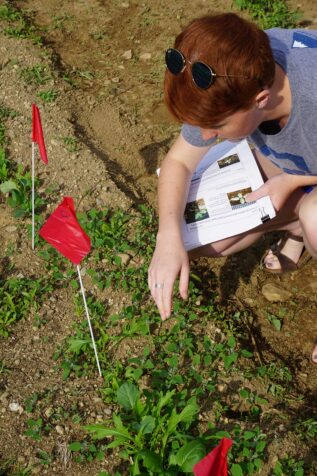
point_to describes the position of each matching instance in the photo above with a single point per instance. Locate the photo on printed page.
(196, 211)
(237, 198)
(230, 160)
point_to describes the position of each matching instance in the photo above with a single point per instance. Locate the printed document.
(216, 206)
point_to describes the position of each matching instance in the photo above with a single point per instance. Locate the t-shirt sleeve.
(192, 135)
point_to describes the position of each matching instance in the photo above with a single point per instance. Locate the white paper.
(216, 208)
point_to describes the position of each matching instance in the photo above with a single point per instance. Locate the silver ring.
(159, 285)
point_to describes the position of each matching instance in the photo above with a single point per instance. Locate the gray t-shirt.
(294, 147)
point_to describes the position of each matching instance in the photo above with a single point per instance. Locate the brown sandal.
(287, 265)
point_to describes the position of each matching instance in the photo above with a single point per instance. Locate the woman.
(228, 79)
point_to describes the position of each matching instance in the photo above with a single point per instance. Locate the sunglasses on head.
(202, 74)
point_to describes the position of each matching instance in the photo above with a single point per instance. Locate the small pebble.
(145, 56)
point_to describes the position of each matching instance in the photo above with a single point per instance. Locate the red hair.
(230, 45)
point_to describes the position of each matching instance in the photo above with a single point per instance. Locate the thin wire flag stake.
(63, 231)
(88, 319)
(37, 136)
(33, 194)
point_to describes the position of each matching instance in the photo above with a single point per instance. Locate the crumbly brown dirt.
(112, 51)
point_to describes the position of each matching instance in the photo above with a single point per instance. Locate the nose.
(208, 133)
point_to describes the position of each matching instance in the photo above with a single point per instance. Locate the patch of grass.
(48, 96)
(71, 144)
(37, 75)
(19, 24)
(270, 13)
(18, 296)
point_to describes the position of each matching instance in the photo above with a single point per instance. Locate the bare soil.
(112, 51)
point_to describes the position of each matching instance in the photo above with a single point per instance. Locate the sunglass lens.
(174, 61)
(203, 75)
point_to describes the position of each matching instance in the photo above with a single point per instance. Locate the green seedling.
(44, 457)
(30, 403)
(17, 297)
(307, 429)
(59, 21)
(35, 428)
(289, 467)
(71, 144)
(48, 96)
(84, 451)
(37, 75)
(255, 401)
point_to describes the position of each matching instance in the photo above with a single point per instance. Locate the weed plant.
(19, 24)
(16, 184)
(18, 296)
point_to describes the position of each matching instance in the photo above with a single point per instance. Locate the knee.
(308, 222)
(203, 252)
(308, 214)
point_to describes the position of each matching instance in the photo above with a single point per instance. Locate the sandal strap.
(297, 238)
(286, 263)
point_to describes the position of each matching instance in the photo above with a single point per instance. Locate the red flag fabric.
(37, 133)
(63, 231)
(215, 463)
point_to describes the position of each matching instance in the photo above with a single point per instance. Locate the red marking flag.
(37, 133)
(63, 231)
(215, 463)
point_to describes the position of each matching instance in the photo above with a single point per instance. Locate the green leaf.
(277, 324)
(189, 455)
(278, 471)
(77, 344)
(230, 359)
(99, 431)
(147, 425)
(188, 412)
(260, 401)
(231, 342)
(75, 446)
(8, 186)
(299, 472)
(247, 354)
(186, 415)
(152, 461)
(244, 393)
(164, 400)
(127, 396)
(248, 435)
(236, 470)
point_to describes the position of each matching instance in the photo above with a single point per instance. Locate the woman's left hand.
(278, 188)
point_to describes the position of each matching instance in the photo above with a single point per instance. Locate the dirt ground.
(112, 51)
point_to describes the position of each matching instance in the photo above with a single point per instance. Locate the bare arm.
(170, 258)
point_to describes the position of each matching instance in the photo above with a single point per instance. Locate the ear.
(262, 98)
